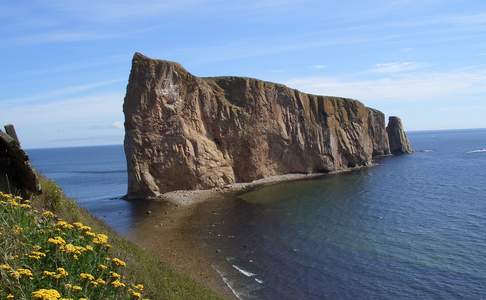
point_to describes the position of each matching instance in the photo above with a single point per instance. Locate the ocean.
(411, 227)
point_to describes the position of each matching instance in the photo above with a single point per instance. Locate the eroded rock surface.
(16, 173)
(185, 132)
(399, 143)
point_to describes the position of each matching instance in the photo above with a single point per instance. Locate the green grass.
(158, 279)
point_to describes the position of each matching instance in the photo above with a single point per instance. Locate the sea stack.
(399, 143)
(184, 132)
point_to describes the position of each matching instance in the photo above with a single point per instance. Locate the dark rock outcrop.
(186, 132)
(399, 143)
(16, 173)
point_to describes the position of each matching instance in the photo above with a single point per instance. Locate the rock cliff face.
(16, 173)
(186, 132)
(399, 143)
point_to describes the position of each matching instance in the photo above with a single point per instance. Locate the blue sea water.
(412, 227)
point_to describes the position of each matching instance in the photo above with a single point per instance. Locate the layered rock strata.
(184, 132)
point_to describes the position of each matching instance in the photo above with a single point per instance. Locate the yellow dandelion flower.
(139, 287)
(5, 267)
(10, 296)
(136, 295)
(89, 248)
(102, 267)
(115, 275)
(118, 262)
(100, 281)
(45, 294)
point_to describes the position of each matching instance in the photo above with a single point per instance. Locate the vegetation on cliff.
(52, 249)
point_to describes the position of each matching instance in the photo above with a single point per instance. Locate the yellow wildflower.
(100, 239)
(22, 273)
(61, 273)
(136, 295)
(75, 288)
(90, 233)
(44, 294)
(48, 274)
(89, 248)
(57, 241)
(118, 262)
(102, 267)
(64, 225)
(18, 229)
(117, 283)
(26, 206)
(48, 214)
(86, 276)
(10, 296)
(36, 255)
(5, 267)
(115, 275)
(138, 287)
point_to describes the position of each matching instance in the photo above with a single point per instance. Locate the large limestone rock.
(186, 132)
(16, 173)
(399, 143)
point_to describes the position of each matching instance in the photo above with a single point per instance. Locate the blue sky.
(65, 63)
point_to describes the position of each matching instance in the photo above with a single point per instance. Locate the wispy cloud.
(395, 67)
(419, 86)
(118, 10)
(81, 119)
(318, 67)
(55, 94)
(50, 37)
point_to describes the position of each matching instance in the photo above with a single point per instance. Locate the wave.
(244, 272)
(228, 283)
(478, 151)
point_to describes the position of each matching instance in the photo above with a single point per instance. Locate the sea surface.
(412, 227)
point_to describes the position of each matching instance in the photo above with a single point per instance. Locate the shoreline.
(186, 198)
(179, 240)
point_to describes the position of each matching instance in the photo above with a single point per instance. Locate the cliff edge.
(184, 132)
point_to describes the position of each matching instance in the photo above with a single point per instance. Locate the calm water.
(411, 228)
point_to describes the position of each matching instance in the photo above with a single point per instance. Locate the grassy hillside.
(51, 248)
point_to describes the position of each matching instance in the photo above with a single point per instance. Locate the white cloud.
(78, 118)
(60, 37)
(446, 85)
(117, 124)
(318, 66)
(395, 67)
(60, 92)
(117, 10)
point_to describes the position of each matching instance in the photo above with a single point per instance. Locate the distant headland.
(184, 132)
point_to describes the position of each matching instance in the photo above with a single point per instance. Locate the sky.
(65, 63)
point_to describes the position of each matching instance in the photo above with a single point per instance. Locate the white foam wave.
(259, 280)
(244, 272)
(228, 283)
(478, 151)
